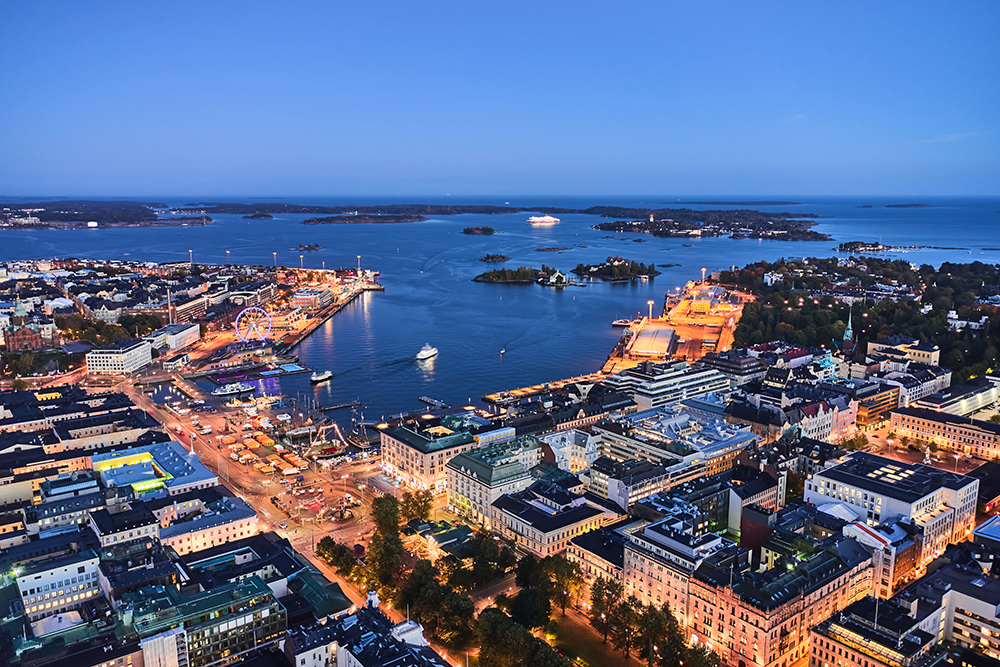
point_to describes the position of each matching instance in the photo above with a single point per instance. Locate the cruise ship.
(543, 220)
(426, 352)
(233, 389)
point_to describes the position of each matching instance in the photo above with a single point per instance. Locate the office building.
(123, 357)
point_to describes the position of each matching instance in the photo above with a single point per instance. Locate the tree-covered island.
(482, 230)
(494, 258)
(522, 275)
(616, 269)
(738, 224)
(363, 218)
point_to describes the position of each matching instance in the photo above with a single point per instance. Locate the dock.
(514, 395)
(433, 402)
(339, 406)
(292, 340)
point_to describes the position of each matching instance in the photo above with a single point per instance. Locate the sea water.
(547, 334)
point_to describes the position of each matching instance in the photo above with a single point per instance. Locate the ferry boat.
(623, 323)
(317, 377)
(233, 389)
(543, 220)
(426, 352)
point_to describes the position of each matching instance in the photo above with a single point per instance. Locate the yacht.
(543, 220)
(233, 389)
(426, 352)
(318, 377)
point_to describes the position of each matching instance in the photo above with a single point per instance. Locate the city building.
(963, 399)
(873, 633)
(123, 357)
(571, 450)
(974, 437)
(477, 478)
(174, 336)
(157, 469)
(912, 348)
(876, 489)
(653, 385)
(57, 585)
(418, 453)
(225, 520)
(543, 518)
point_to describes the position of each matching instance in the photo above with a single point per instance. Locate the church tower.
(849, 341)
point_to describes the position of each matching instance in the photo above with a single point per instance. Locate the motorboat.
(623, 323)
(502, 350)
(317, 377)
(233, 389)
(426, 352)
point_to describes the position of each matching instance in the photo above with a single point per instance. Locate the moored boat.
(233, 389)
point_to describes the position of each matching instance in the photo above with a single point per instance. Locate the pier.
(514, 395)
(339, 406)
(292, 340)
(433, 402)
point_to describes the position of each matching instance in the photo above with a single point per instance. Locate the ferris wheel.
(253, 324)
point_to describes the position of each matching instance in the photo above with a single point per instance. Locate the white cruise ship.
(543, 220)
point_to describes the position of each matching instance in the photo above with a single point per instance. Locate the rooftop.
(907, 482)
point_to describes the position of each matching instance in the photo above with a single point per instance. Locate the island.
(307, 248)
(737, 224)
(742, 203)
(361, 218)
(908, 206)
(494, 258)
(616, 269)
(550, 249)
(523, 275)
(482, 230)
(669, 222)
(74, 214)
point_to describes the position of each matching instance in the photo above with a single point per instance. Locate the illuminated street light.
(227, 257)
(650, 302)
(275, 259)
(300, 261)
(190, 256)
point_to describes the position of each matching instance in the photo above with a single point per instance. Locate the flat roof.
(907, 482)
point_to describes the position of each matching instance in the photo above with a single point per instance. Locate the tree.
(604, 595)
(504, 643)
(417, 505)
(336, 555)
(625, 624)
(19, 385)
(531, 608)
(456, 619)
(661, 640)
(385, 511)
(995, 419)
(566, 579)
(531, 574)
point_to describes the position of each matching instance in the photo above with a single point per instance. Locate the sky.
(491, 98)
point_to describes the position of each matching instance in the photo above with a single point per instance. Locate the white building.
(941, 504)
(655, 385)
(57, 585)
(174, 336)
(228, 519)
(124, 356)
(573, 450)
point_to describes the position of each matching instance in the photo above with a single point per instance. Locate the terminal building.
(653, 385)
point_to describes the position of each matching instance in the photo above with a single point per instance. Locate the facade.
(174, 336)
(653, 385)
(941, 504)
(925, 353)
(214, 627)
(521, 519)
(477, 478)
(128, 525)
(871, 633)
(875, 408)
(57, 585)
(963, 399)
(419, 458)
(572, 450)
(977, 438)
(226, 520)
(311, 300)
(122, 357)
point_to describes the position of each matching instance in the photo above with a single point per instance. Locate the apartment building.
(477, 478)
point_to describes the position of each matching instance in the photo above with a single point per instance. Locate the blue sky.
(248, 98)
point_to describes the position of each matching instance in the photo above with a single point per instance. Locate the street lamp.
(275, 259)
(300, 261)
(227, 257)
(359, 266)
(190, 256)
(650, 303)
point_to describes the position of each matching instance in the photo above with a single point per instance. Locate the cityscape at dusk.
(435, 334)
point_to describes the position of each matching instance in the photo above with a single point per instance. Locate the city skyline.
(395, 99)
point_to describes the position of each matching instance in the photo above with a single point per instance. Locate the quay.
(292, 340)
(339, 406)
(433, 402)
(514, 395)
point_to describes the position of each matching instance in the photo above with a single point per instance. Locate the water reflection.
(426, 367)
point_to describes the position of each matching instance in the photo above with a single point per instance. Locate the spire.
(849, 331)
